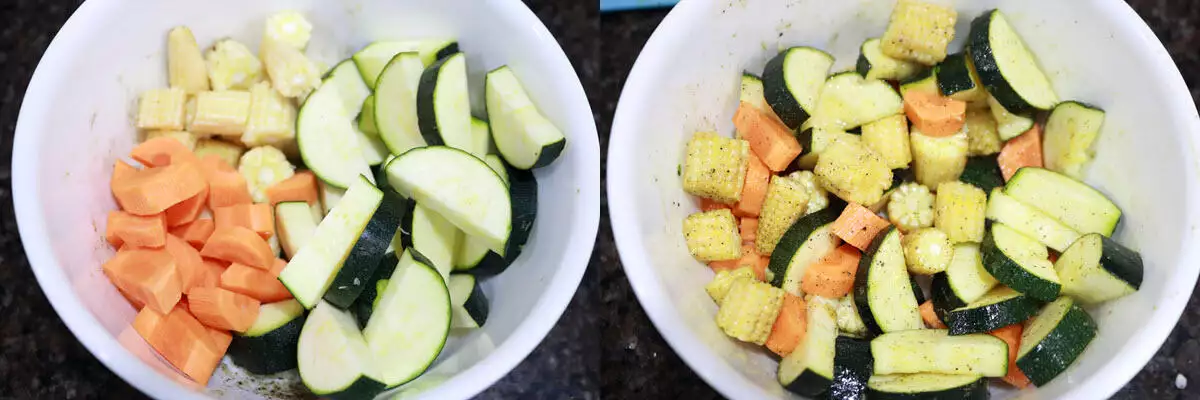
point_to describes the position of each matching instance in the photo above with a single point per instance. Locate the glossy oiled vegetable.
(853, 172)
(787, 199)
(713, 235)
(749, 310)
(715, 167)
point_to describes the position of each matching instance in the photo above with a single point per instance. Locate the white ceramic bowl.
(76, 121)
(1099, 51)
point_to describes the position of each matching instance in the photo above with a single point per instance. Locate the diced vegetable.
(712, 235)
(185, 63)
(919, 32)
(808, 240)
(754, 191)
(1071, 130)
(809, 371)
(1054, 339)
(1006, 67)
(883, 289)
(1019, 262)
(715, 167)
(933, 350)
(833, 276)
(222, 113)
(134, 230)
(818, 198)
(1096, 268)
(188, 210)
(983, 172)
(148, 275)
(911, 207)
(1022, 151)
(750, 258)
(792, 83)
(930, 317)
(858, 226)
(938, 159)
(1067, 200)
(210, 274)
(222, 309)
(786, 202)
(853, 172)
(181, 340)
(263, 167)
(152, 190)
(888, 137)
(272, 118)
(848, 101)
(189, 267)
(260, 285)
(789, 327)
(195, 233)
(927, 251)
(959, 211)
(161, 152)
(749, 310)
(933, 114)
(982, 137)
(1029, 221)
(720, 284)
(240, 245)
(226, 186)
(873, 64)
(290, 28)
(770, 140)
(291, 73)
(232, 66)
(162, 109)
(230, 153)
(258, 217)
(301, 186)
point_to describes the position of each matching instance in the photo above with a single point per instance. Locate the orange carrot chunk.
(257, 217)
(187, 262)
(710, 205)
(750, 258)
(261, 285)
(790, 326)
(147, 275)
(223, 309)
(122, 171)
(210, 274)
(754, 192)
(300, 187)
(137, 304)
(1021, 151)
(933, 114)
(769, 138)
(858, 225)
(221, 338)
(749, 228)
(153, 190)
(226, 186)
(195, 233)
(188, 210)
(832, 276)
(136, 230)
(162, 151)
(147, 321)
(930, 317)
(1012, 335)
(183, 341)
(239, 245)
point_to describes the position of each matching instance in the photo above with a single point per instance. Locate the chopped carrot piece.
(710, 205)
(136, 230)
(754, 191)
(195, 233)
(769, 138)
(750, 258)
(226, 186)
(261, 285)
(122, 171)
(933, 114)
(223, 309)
(152, 190)
(300, 187)
(930, 317)
(833, 276)
(240, 245)
(147, 321)
(148, 275)
(749, 228)
(1012, 335)
(188, 210)
(221, 338)
(210, 273)
(1053, 257)
(790, 326)
(182, 340)
(257, 217)
(1021, 151)
(187, 262)
(162, 151)
(858, 225)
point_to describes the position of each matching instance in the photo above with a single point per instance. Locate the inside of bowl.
(1096, 52)
(118, 50)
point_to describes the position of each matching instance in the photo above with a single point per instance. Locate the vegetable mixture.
(844, 198)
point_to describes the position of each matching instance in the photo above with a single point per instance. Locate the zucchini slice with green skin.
(364, 257)
(409, 326)
(848, 100)
(366, 116)
(327, 140)
(873, 64)
(792, 83)
(943, 297)
(848, 320)
(269, 345)
(806, 241)
(472, 251)
(998, 308)
(481, 138)
(311, 272)
(1071, 130)
(444, 106)
(935, 351)
(351, 88)
(523, 190)
(524, 136)
(1096, 269)
(1008, 124)
(1006, 66)
(752, 92)
(295, 224)
(1054, 339)
(808, 371)
(364, 306)
(373, 59)
(1019, 262)
(468, 305)
(396, 103)
(1065, 199)
(374, 150)
(883, 291)
(966, 275)
(956, 79)
(433, 236)
(852, 365)
(1029, 221)
(927, 387)
(982, 172)
(333, 358)
(924, 81)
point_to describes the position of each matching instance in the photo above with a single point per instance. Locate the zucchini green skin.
(862, 287)
(917, 292)
(805, 139)
(852, 366)
(943, 297)
(426, 98)
(269, 353)
(550, 153)
(446, 51)
(902, 176)
(1059, 349)
(989, 70)
(809, 384)
(476, 303)
(364, 305)
(954, 75)
(982, 172)
(976, 390)
(523, 189)
(1121, 262)
(795, 237)
(779, 97)
(364, 257)
(1011, 274)
(963, 321)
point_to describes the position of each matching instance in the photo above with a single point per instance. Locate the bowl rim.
(729, 382)
(87, 329)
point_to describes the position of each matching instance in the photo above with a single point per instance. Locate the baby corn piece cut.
(715, 167)
(162, 109)
(231, 153)
(291, 73)
(713, 235)
(185, 63)
(263, 167)
(787, 199)
(231, 65)
(749, 309)
(724, 280)
(290, 28)
(222, 113)
(272, 118)
(919, 32)
(853, 172)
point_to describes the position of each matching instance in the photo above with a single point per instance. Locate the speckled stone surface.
(40, 359)
(637, 363)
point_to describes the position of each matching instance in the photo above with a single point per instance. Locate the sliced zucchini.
(454, 183)
(1054, 339)
(1067, 200)
(524, 136)
(814, 141)
(481, 137)
(433, 236)
(396, 103)
(1029, 221)
(373, 59)
(1019, 262)
(848, 320)
(410, 324)
(924, 81)
(311, 272)
(269, 345)
(967, 277)
(882, 288)
(366, 116)
(364, 306)
(956, 79)
(935, 351)
(752, 92)
(496, 163)
(523, 191)
(808, 371)
(998, 308)
(468, 304)
(1006, 66)
(927, 387)
(1071, 130)
(982, 172)
(938, 159)
(1008, 124)
(852, 365)
(373, 150)
(327, 141)
(351, 88)
(295, 225)
(444, 106)
(943, 297)
(849, 101)
(873, 64)
(364, 257)
(333, 358)
(810, 238)
(1096, 269)
(792, 83)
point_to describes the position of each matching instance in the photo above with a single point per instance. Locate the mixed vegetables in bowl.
(916, 227)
